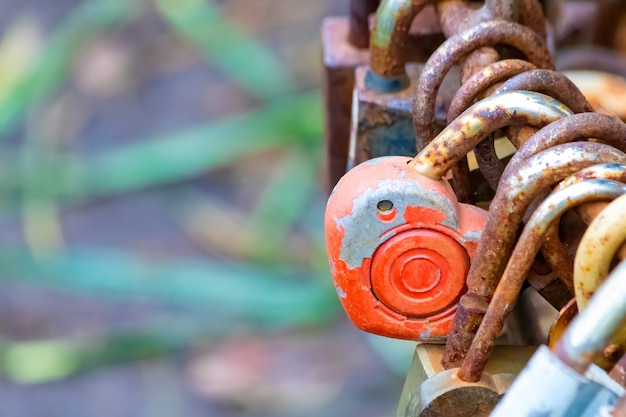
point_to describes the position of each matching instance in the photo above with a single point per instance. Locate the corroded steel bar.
(577, 127)
(484, 117)
(514, 195)
(601, 241)
(488, 162)
(477, 83)
(360, 10)
(552, 83)
(596, 326)
(547, 214)
(457, 47)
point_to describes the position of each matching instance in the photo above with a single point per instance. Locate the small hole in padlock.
(384, 205)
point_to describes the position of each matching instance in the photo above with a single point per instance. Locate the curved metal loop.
(457, 47)
(553, 250)
(490, 166)
(552, 83)
(613, 172)
(547, 215)
(387, 41)
(601, 241)
(507, 209)
(484, 117)
(595, 327)
(485, 78)
(603, 128)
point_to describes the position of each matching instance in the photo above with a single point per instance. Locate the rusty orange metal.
(400, 246)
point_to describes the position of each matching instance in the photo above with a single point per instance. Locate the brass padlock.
(430, 390)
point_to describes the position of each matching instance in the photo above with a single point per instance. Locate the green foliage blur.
(265, 266)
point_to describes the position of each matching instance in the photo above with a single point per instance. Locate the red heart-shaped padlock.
(399, 246)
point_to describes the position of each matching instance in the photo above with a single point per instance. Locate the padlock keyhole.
(384, 205)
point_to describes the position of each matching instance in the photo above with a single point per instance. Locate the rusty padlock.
(399, 246)
(398, 240)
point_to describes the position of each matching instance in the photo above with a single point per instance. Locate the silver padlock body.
(548, 388)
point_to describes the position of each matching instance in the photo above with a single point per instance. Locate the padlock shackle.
(507, 209)
(472, 88)
(477, 122)
(552, 83)
(547, 215)
(553, 250)
(596, 326)
(597, 248)
(603, 128)
(390, 35)
(456, 48)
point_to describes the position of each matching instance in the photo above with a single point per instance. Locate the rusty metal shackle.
(553, 250)
(551, 83)
(389, 37)
(394, 18)
(603, 128)
(457, 47)
(601, 241)
(507, 209)
(484, 117)
(472, 89)
(543, 219)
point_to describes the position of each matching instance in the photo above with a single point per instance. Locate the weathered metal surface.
(548, 82)
(360, 11)
(340, 60)
(552, 83)
(399, 246)
(382, 123)
(597, 325)
(488, 162)
(547, 387)
(457, 47)
(471, 89)
(447, 395)
(601, 241)
(484, 117)
(547, 214)
(577, 127)
(404, 31)
(514, 195)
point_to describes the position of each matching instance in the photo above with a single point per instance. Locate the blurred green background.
(161, 241)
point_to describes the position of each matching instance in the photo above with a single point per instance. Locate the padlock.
(399, 246)
(431, 390)
(548, 213)
(381, 112)
(378, 199)
(564, 382)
